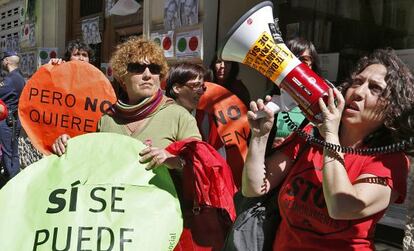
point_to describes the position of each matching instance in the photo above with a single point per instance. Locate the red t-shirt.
(306, 224)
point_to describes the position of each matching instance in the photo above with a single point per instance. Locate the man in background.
(10, 90)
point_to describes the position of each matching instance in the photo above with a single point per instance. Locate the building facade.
(342, 32)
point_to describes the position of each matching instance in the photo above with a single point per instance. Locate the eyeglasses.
(306, 60)
(140, 68)
(196, 86)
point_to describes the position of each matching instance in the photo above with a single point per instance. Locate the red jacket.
(213, 180)
(207, 182)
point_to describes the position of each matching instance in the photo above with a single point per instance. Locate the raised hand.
(331, 114)
(56, 61)
(260, 126)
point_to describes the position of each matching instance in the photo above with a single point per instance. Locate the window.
(90, 7)
(351, 28)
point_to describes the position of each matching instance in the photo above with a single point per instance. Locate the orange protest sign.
(230, 117)
(68, 98)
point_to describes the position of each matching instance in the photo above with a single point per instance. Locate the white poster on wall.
(90, 31)
(165, 41)
(171, 15)
(28, 64)
(329, 65)
(45, 54)
(23, 66)
(24, 34)
(188, 44)
(188, 12)
(32, 35)
(31, 63)
(27, 35)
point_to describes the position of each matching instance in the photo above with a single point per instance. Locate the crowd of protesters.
(323, 191)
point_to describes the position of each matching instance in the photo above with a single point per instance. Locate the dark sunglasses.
(140, 68)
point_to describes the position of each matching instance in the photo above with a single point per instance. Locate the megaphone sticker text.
(267, 57)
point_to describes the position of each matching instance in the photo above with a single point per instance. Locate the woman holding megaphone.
(329, 200)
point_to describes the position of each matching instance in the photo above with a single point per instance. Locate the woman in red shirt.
(330, 200)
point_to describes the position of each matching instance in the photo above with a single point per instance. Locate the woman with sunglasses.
(139, 66)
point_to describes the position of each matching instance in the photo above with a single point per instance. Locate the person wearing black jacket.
(10, 89)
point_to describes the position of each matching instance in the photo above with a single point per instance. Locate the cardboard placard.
(69, 98)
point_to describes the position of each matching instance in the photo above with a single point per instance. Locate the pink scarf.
(144, 109)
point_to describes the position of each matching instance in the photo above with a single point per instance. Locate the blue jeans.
(9, 146)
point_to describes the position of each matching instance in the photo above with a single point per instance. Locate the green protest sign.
(95, 197)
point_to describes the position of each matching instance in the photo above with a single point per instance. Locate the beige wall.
(51, 24)
(4, 2)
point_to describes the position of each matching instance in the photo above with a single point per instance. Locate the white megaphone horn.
(255, 40)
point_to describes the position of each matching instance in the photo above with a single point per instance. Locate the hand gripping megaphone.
(255, 40)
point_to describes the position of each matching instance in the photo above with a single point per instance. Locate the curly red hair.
(136, 50)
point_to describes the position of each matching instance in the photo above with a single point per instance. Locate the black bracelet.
(372, 180)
